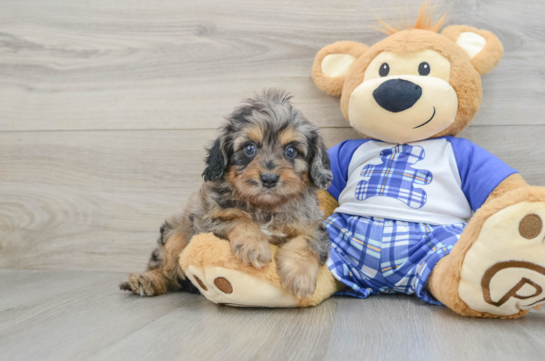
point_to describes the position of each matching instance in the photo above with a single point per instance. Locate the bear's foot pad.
(226, 286)
(504, 270)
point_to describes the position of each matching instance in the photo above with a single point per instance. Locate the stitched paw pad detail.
(231, 287)
(504, 270)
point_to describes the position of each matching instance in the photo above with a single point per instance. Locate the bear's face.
(409, 93)
(414, 85)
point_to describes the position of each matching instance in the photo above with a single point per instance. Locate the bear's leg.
(222, 278)
(497, 268)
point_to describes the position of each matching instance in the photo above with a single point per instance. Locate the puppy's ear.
(320, 166)
(216, 161)
(333, 62)
(483, 47)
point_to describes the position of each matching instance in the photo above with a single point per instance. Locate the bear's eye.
(384, 69)
(249, 150)
(424, 68)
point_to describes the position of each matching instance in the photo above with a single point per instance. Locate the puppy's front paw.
(298, 275)
(252, 249)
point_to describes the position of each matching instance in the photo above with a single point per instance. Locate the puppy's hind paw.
(139, 284)
(125, 286)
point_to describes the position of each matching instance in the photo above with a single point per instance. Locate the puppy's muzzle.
(269, 180)
(397, 95)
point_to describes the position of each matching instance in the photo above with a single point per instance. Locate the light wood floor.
(105, 107)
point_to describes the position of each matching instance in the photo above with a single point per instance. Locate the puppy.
(261, 178)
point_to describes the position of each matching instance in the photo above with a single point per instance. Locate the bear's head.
(413, 85)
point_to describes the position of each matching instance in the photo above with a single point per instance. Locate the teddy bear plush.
(412, 209)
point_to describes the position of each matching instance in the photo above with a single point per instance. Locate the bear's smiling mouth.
(421, 125)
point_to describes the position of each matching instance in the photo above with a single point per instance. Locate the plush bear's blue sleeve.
(340, 157)
(480, 171)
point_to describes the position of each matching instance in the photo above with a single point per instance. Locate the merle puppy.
(260, 182)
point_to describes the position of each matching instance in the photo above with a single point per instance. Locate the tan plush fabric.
(437, 109)
(329, 84)
(464, 79)
(464, 76)
(209, 261)
(502, 272)
(488, 58)
(334, 65)
(327, 202)
(446, 276)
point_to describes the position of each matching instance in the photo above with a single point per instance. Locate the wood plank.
(100, 322)
(211, 332)
(77, 323)
(395, 327)
(171, 64)
(18, 288)
(96, 321)
(87, 200)
(95, 200)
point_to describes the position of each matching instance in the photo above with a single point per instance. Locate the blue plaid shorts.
(377, 255)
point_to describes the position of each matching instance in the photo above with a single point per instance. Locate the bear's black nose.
(397, 95)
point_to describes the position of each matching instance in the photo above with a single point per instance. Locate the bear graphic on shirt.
(396, 177)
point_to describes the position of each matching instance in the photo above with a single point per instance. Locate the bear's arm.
(483, 175)
(514, 181)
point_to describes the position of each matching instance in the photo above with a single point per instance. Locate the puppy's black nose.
(397, 95)
(269, 180)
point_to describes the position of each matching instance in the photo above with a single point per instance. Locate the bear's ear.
(333, 62)
(483, 47)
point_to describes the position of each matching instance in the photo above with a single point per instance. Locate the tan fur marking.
(173, 248)
(230, 214)
(291, 184)
(157, 281)
(289, 135)
(254, 133)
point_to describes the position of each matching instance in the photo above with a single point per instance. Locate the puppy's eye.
(249, 150)
(384, 69)
(424, 68)
(291, 152)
